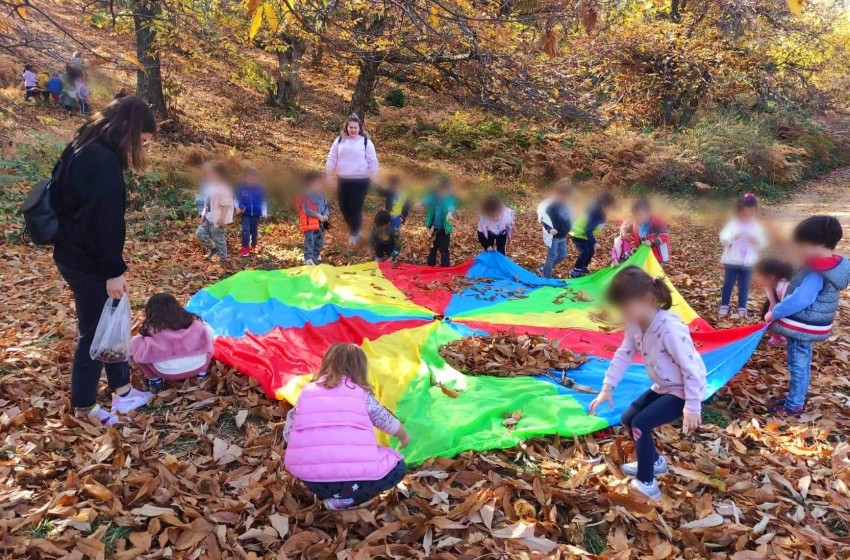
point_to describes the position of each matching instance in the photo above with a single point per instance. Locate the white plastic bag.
(112, 338)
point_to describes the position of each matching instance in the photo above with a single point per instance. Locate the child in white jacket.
(556, 218)
(743, 237)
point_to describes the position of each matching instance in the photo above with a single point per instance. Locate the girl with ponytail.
(678, 373)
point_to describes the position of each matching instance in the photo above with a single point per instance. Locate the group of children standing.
(332, 444)
(52, 88)
(218, 204)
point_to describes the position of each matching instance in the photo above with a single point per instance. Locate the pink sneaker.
(337, 504)
(103, 416)
(776, 340)
(131, 401)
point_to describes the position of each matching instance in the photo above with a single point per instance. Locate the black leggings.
(500, 241)
(440, 243)
(646, 413)
(361, 490)
(351, 194)
(585, 255)
(89, 297)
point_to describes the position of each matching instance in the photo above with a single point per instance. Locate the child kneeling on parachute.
(331, 441)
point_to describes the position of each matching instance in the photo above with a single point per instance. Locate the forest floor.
(197, 474)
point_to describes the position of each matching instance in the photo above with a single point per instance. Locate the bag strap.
(62, 164)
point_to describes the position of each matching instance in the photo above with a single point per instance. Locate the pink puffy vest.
(332, 437)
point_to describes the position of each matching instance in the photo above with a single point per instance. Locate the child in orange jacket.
(313, 215)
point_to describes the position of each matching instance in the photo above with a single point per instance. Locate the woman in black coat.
(90, 198)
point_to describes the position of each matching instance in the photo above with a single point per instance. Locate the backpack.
(41, 221)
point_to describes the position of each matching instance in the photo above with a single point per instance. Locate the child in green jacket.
(440, 206)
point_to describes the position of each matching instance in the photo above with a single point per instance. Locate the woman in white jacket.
(743, 237)
(353, 160)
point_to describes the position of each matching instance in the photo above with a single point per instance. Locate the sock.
(124, 394)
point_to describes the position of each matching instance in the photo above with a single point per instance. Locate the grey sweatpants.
(314, 242)
(213, 238)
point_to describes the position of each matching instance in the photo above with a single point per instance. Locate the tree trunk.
(364, 89)
(289, 67)
(149, 81)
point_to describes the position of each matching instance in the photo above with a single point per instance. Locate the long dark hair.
(632, 283)
(120, 126)
(164, 313)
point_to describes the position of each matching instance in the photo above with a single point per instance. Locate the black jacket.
(90, 199)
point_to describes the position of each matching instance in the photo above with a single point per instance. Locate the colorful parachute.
(275, 326)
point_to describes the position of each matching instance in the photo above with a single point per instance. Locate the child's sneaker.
(310, 262)
(244, 252)
(203, 375)
(723, 311)
(658, 468)
(742, 313)
(101, 415)
(336, 504)
(211, 255)
(776, 340)
(648, 489)
(319, 259)
(786, 412)
(131, 401)
(155, 385)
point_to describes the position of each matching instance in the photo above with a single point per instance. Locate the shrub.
(394, 98)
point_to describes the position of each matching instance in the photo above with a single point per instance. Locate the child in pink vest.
(172, 343)
(332, 446)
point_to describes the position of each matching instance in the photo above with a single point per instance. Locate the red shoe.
(244, 252)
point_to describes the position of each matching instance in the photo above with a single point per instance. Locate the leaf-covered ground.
(198, 474)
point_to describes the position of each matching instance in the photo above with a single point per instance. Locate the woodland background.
(690, 101)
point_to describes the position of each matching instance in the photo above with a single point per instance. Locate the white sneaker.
(352, 240)
(659, 468)
(723, 311)
(101, 415)
(310, 262)
(131, 401)
(650, 490)
(319, 259)
(742, 312)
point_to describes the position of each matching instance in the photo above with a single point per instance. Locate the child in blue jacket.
(807, 312)
(251, 201)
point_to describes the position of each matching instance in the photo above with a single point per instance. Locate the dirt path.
(829, 194)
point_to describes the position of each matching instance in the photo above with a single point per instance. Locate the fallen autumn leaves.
(198, 474)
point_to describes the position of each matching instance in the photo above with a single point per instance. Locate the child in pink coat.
(331, 441)
(672, 362)
(172, 344)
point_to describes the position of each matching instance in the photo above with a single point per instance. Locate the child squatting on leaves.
(385, 239)
(331, 441)
(806, 313)
(624, 244)
(672, 363)
(172, 344)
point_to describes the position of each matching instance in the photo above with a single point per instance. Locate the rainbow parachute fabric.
(276, 325)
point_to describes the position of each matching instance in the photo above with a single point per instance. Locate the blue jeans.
(250, 227)
(646, 413)
(741, 275)
(556, 254)
(799, 370)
